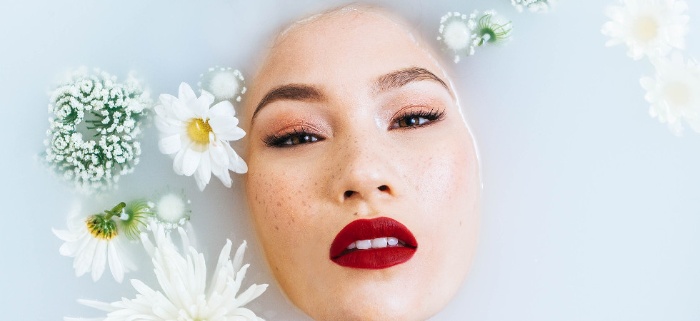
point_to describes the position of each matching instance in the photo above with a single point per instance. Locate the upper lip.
(364, 229)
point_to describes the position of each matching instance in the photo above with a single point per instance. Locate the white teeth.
(377, 243)
(363, 244)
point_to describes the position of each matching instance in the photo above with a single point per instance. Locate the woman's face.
(363, 178)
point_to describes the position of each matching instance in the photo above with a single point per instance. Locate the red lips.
(373, 258)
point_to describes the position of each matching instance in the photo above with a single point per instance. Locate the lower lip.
(376, 258)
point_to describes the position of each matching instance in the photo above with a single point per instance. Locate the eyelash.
(302, 135)
(429, 116)
(298, 136)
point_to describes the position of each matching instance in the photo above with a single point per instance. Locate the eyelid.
(437, 113)
(290, 131)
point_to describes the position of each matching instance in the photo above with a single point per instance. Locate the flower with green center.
(94, 241)
(492, 28)
(649, 28)
(462, 34)
(674, 93)
(197, 135)
(134, 218)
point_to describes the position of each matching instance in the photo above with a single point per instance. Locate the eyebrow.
(402, 77)
(392, 80)
(290, 92)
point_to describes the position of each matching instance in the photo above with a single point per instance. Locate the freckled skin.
(298, 195)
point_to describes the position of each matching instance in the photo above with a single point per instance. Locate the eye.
(294, 138)
(415, 119)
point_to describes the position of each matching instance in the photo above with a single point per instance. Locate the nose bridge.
(364, 167)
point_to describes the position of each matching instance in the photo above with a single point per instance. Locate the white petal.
(236, 163)
(223, 108)
(170, 144)
(190, 161)
(178, 162)
(203, 172)
(99, 260)
(115, 264)
(186, 93)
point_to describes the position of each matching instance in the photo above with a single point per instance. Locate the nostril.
(383, 188)
(348, 194)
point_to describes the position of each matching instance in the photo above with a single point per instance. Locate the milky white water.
(591, 209)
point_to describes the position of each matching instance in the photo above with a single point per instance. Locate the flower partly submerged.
(198, 135)
(539, 6)
(93, 241)
(462, 34)
(648, 27)
(225, 83)
(172, 210)
(674, 93)
(184, 295)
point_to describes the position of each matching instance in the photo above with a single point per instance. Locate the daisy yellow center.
(645, 28)
(198, 130)
(677, 94)
(101, 227)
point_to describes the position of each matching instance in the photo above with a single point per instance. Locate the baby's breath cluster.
(94, 129)
(533, 5)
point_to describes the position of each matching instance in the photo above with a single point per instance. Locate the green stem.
(115, 211)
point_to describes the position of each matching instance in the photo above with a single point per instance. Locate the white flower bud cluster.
(93, 134)
(540, 6)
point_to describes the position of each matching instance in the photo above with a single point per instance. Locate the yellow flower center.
(677, 94)
(645, 28)
(198, 129)
(101, 227)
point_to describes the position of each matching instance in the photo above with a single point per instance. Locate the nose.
(365, 172)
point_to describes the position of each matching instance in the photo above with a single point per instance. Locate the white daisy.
(93, 241)
(198, 136)
(184, 294)
(648, 27)
(674, 93)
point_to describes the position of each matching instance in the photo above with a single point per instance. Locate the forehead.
(347, 46)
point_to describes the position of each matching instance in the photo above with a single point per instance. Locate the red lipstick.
(373, 244)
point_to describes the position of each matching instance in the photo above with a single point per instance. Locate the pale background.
(591, 209)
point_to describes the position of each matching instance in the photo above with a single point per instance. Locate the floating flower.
(648, 27)
(93, 241)
(183, 293)
(461, 34)
(93, 134)
(457, 33)
(492, 28)
(674, 94)
(134, 218)
(172, 210)
(198, 136)
(540, 6)
(224, 83)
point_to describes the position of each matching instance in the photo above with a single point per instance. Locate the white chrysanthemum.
(198, 136)
(674, 94)
(184, 294)
(224, 83)
(648, 27)
(93, 241)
